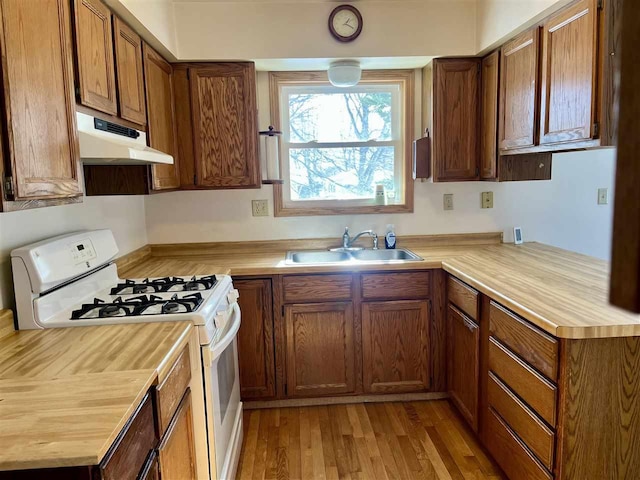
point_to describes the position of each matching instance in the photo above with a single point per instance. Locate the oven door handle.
(233, 325)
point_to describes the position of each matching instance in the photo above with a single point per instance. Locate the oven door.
(222, 396)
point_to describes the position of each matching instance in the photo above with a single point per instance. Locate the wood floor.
(415, 440)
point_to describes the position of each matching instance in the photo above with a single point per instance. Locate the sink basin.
(318, 257)
(384, 255)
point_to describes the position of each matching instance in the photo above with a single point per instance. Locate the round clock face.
(345, 23)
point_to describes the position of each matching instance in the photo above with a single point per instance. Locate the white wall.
(124, 215)
(561, 212)
(498, 20)
(285, 29)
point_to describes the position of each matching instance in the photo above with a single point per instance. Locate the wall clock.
(345, 23)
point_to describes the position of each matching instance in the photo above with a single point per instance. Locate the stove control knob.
(232, 296)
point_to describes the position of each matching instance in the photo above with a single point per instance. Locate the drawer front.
(538, 348)
(398, 286)
(533, 388)
(531, 430)
(171, 390)
(510, 453)
(129, 452)
(317, 288)
(463, 296)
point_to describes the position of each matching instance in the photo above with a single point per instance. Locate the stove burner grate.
(142, 305)
(166, 284)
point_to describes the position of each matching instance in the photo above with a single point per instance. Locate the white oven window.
(226, 378)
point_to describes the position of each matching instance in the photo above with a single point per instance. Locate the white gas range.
(70, 281)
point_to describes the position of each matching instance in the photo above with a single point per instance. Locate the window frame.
(284, 207)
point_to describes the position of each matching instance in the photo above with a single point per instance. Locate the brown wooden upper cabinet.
(456, 109)
(489, 116)
(129, 72)
(94, 51)
(41, 148)
(161, 127)
(519, 91)
(569, 66)
(224, 123)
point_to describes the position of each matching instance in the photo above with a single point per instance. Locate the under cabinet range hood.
(107, 143)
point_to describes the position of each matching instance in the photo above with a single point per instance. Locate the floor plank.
(386, 441)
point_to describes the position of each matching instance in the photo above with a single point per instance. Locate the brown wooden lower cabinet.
(256, 348)
(176, 452)
(395, 346)
(463, 354)
(320, 349)
(150, 470)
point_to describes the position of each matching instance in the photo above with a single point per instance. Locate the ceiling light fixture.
(344, 73)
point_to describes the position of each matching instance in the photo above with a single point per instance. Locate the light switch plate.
(447, 201)
(260, 208)
(487, 200)
(603, 196)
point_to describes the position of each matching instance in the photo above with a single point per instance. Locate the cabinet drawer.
(171, 390)
(463, 296)
(317, 288)
(533, 432)
(535, 346)
(510, 453)
(535, 390)
(130, 450)
(400, 286)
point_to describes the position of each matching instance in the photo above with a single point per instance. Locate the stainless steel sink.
(385, 255)
(318, 257)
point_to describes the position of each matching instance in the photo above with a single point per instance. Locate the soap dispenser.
(390, 237)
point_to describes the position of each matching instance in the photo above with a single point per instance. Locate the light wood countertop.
(564, 293)
(65, 394)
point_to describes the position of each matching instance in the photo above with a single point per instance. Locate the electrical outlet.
(487, 200)
(447, 201)
(260, 208)
(603, 196)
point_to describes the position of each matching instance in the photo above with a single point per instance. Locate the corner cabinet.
(41, 145)
(395, 346)
(256, 348)
(489, 116)
(161, 127)
(217, 123)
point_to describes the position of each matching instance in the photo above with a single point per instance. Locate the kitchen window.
(338, 144)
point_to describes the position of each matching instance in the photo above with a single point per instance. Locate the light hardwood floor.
(414, 440)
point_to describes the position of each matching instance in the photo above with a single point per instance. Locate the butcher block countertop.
(65, 394)
(564, 293)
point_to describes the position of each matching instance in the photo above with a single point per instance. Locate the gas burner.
(166, 284)
(142, 305)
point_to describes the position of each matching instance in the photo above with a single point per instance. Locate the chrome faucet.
(347, 241)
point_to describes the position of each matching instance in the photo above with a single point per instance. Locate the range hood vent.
(108, 143)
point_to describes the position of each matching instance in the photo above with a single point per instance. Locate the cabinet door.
(519, 91)
(320, 349)
(456, 109)
(463, 345)
(395, 345)
(130, 75)
(37, 69)
(225, 127)
(256, 348)
(176, 450)
(162, 124)
(489, 117)
(569, 74)
(150, 470)
(94, 53)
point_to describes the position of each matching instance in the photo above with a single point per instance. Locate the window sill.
(279, 210)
